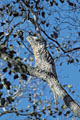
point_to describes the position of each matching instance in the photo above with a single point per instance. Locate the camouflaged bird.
(43, 58)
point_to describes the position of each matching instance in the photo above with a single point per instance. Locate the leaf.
(16, 76)
(10, 100)
(69, 86)
(1, 94)
(1, 9)
(51, 3)
(43, 14)
(10, 72)
(1, 86)
(15, 14)
(7, 84)
(31, 59)
(14, 35)
(5, 69)
(1, 33)
(68, 112)
(9, 64)
(62, 1)
(2, 101)
(79, 33)
(47, 24)
(25, 59)
(77, 60)
(24, 77)
(2, 23)
(64, 107)
(43, 22)
(11, 46)
(60, 113)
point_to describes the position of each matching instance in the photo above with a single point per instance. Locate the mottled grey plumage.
(43, 58)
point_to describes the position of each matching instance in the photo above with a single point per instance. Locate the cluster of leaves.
(7, 85)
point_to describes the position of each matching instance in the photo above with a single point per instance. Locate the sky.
(67, 74)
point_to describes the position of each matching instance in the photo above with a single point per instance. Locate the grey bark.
(46, 76)
(45, 62)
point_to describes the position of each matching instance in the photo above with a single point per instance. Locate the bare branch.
(65, 51)
(10, 32)
(35, 21)
(16, 112)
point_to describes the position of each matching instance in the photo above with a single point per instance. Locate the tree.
(31, 18)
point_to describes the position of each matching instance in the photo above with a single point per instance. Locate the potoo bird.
(43, 58)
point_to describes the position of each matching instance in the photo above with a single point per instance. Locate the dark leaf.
(55, 34)
(72, 60)
(7, 5)
(62, 1)
(79, 33)
(47, 24)
(17, 1)
(16, 14)
(9, 64)
(43, 14)
(7, 87)
(1, 33)
(24, 77)
(7, 83)
(1, 86)
(68, 112)
(5, 69)
(15, 35)
(7, 21)
(10, 55)
(16, 76)
(21, 110)
(43, 111)
(1, 94)
(10, 100)
(73, 92)
(51, 3)
(2, 23)
(2, 101)
(43, 22)
(60, 113)
(12, 52)
(77, 60)
(5, 79)
(1, 9)
(34, 107)
(56, 3)
(10, 72)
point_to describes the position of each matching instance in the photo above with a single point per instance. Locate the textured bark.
(45, 62)
(43, 58)
(46, 76)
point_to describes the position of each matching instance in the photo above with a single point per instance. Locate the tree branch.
(35, 21)
(48, 77)
(64, 51)
(16, 112)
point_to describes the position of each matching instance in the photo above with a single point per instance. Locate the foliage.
(58, 21)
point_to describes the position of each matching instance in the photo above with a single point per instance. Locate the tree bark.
(45, 76)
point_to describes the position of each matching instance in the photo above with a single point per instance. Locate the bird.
(43, 58)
